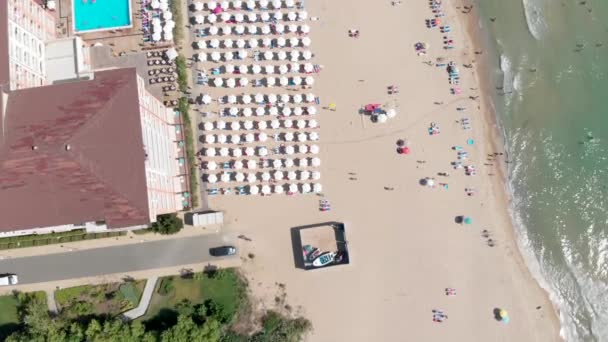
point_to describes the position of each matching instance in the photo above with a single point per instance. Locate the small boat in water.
(324, 259)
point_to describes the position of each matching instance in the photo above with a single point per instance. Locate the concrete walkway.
(50, 301)
(144, 302)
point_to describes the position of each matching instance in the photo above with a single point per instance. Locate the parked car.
(222, 251)
(8, 279)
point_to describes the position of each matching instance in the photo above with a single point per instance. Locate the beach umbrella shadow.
(459, 219)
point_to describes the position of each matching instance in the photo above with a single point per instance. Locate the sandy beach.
(405, 245)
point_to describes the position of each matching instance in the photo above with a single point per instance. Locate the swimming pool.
(97, 15)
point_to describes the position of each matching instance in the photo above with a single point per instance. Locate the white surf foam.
(534, 18)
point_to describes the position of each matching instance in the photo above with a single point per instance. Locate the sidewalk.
(144, 302)
(130, 238)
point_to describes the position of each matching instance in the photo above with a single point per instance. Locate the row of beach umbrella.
(264, 17)
(251, 137)
(273, 111)
(267, 81)
(252, 164)
(267, 69)
(252, 43)
(162, 31)
(252, 29)
(262, 176)
(260, 151)
(259, 125)
(238, 4)
(279, 189)
(268, 55)
(264, 98)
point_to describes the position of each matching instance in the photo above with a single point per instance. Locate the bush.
(167, 224)
(276, 327)
(182, 73)
(166, 286)
(130, 293)
(80, 308)
(184, 109)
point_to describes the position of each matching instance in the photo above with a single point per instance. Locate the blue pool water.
(92, 15)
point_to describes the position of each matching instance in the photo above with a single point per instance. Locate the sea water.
(550, 88)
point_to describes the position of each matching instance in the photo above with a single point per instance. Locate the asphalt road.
(119, 259)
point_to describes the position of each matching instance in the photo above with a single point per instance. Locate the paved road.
(119, 259)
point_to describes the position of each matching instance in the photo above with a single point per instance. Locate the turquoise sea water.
(101, 14)
(551, 93)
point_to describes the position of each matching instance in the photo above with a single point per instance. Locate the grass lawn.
(110, 299)
(226, 290)
(9, 319)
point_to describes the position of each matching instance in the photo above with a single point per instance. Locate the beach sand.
(405, 245)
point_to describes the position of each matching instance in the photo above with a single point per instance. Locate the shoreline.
(495, 134)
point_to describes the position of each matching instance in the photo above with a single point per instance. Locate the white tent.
(297, 98)
(211, 165)
(211, 5)
(259, 98)
(283, 81)
(199, 19)
(294, 42)
(239, 29)
(277, 164)
(239, 177)
(211, 18)
(309, 80)
(155, 4)
(265, 16)
(237, 4)
(279, 28)
(303, 162)
(225, 16)
(230, 83)
(308, 68)
(242, 54)
(270, 81)
(286, 111)
(278, 15)
(156, 36)
(243, 69)
(247, 111)
(315, 162)
(263, 4)
(317, 187)
(239, 17)
(391, 113)
(250, 4)
(214, 43)
(287, 123)
(310, 97)
(243, 81)
(163, 6)
(228, 56)
(231, 99)
(212, 30)
(252, 17)
(272, 98)
(210, 152)
(284, 98)
(256, 69)
(281, 55)
(276, 4)
(281, 42)
(254, 190)
(301, 124)
(240, 43)
(312, 123)
(307, 54)
(215, 56)
(266, 29)
(262, 151)
(211, 178)
(206, 99)
(224, 5)
(289, 3)
(220, 125)
(304, 29)
(292, 28)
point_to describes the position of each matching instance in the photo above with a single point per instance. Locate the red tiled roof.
(100, 176)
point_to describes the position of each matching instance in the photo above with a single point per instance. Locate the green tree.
(167, 224)
(187, 330)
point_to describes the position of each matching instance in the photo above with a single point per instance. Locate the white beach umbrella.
(314, 149)
(302, 15)
(274, 124)
(289, 150)
(238, 164)
(218, 82)
(316, 175)
(168, 36)
(283, 81)
(305, 41)
(297, 111)
(286, 111)
(263, 4)
(198, 6)
(235, 126)
(243, 81)
(315, 162)
(308, 67)
(289, 3)
(270, 81)
(278, 189)
(288, 162)
(253, 43)
(307, 54)
(210, 152)
(312, 110)
(163, 6)
(309, 80)
(220, 125)
(279, 28)
(302, 137)
(248, 124)
(228, 56)
(211, 5)
(265, 16)
(206, 99)
(297, 80)
(301, 124)
(231, 99)
(284, 98)
(391, 113)
(310, 97)
(259, 98)
(237, 152)
(211, 178)
(214, 43)
(252, 17)
(304, 175)
(381, 118)
(242, 54)
(265, 29)
(225, 16)
(252, 29)
(221, 138)
(229, 68)
(228, 43)
(306, 188)
(235, 138)
(256, 69)
(294, 42)
(266, 189)
(209, 139)
(268, 55)
(292, 28)
(224, 5)
(281, 42)
(293, 188)
(208, 126)
(254, 190)
(212, 18)
(273, 111)
(281, 55)
(249, 151)
(276, 4)
(304, 29)
(277, 163)
(297, 98)
(199, 19)
(287, 123)
(155, 4)
(213, 30)
(215, 56)
(230, 83)
(241, 43)
(238, 4)
(239, 29)
(295, 56)
(250, 4)
(303, 149)
(246, 99)
(278, 15)
(233, 111)
(266, 42)
(314, 136)
(239, 177)
(156, 36)
(211, 165)
(291, 175)
(224, 151)
(239, 17)
(249, 137)
(252, 164)
(288, 136)
(312, 123)
(271, 98)
(262, 125)
(303, 162)
(251, 178)
(260, 111)
(243, 69)
(262, 151)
